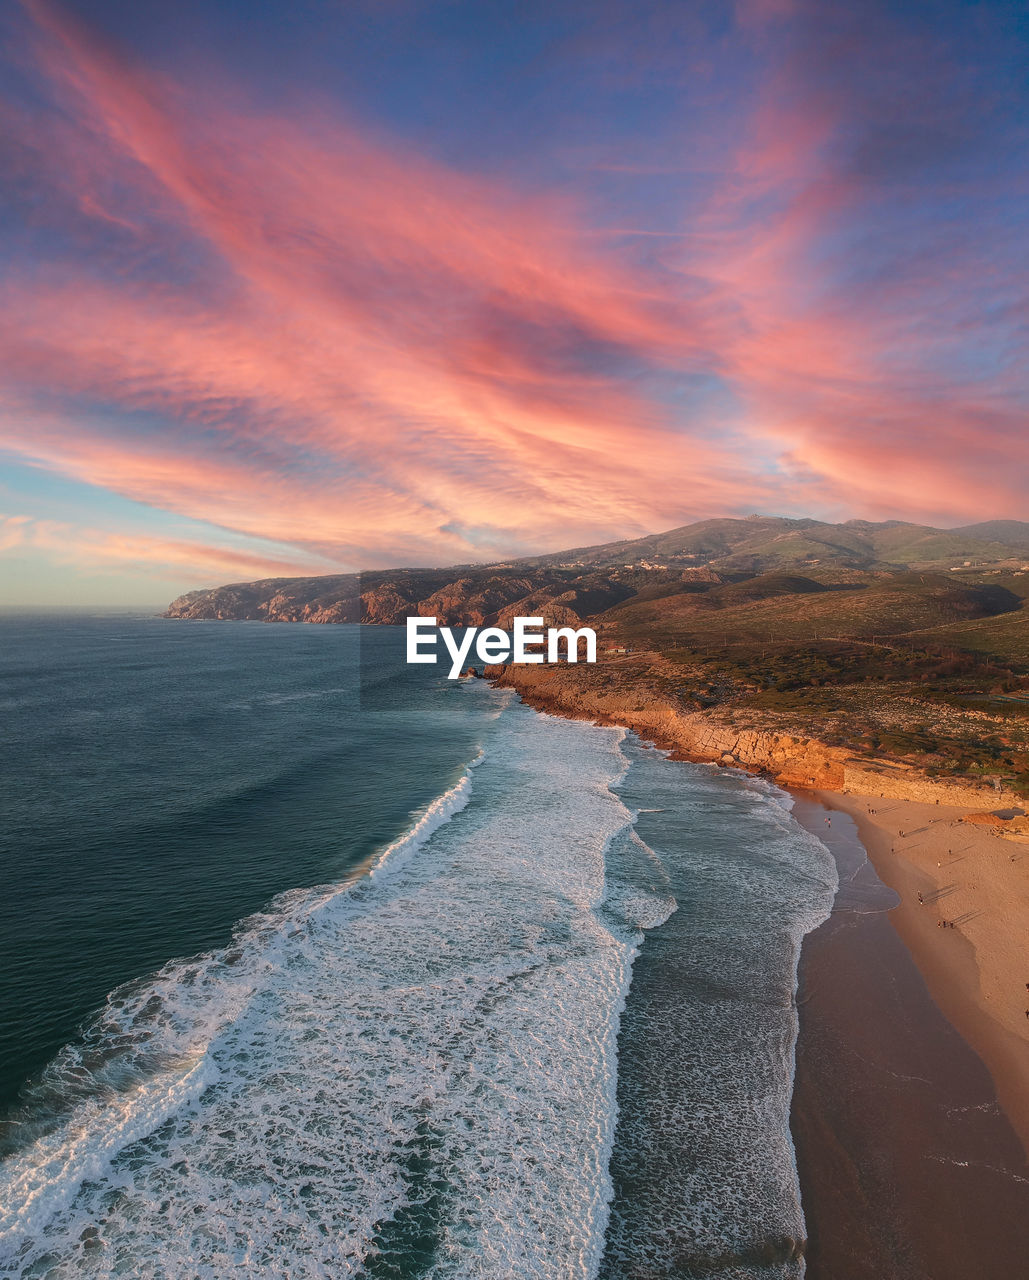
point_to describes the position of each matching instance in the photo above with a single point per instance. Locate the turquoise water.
(317, 964)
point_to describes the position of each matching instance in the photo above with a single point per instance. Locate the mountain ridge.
(586, 581)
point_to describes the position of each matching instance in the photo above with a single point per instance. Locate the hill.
(761, 543)
(586, 580)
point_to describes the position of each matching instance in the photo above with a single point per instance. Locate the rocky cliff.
(474, 598)
(623, 695)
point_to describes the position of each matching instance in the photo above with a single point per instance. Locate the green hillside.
(760, 543)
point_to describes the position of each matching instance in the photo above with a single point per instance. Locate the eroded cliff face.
(789, 759)
(467, 603)
(331, 599)
(473, 600)
(696, 735)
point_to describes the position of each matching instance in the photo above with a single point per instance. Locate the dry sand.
(977, 971)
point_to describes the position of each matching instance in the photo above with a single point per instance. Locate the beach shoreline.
(914, 1166)
(977, 967)
(907, 1165)
(963, 913)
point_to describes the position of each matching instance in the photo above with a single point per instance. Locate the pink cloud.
(381, 359)
(99, 550)
(408, 325)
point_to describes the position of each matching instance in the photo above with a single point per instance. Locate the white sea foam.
(420, 1063)
(706, 1064)
(439, 811)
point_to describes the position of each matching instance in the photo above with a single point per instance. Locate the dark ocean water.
(162, 781)
(317, 964)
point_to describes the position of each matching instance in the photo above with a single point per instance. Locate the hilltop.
(760, 543)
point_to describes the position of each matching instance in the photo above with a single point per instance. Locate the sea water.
(399, 978)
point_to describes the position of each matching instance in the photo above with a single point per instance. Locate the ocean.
(316, 964)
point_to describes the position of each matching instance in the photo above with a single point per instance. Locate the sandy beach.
(911, 1105)
(964, 915)
(908, 1166)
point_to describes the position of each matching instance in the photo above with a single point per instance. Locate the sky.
(347, 284)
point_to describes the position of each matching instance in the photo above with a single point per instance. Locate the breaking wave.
(410, 1073)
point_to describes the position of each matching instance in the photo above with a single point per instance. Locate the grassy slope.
(944, 684)
(777, 607)
(766, 542)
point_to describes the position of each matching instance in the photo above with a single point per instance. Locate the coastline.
(976, 968)
(907, 1165)
(942, 1008)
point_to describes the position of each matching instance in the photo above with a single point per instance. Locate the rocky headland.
(887, 658)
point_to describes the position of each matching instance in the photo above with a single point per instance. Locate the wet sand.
(976, 967)
(909, 1169)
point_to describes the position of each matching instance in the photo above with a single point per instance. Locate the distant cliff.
(476, 597)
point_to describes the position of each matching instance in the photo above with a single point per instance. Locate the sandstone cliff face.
(788, 759)
(385, 606)
(347, 610)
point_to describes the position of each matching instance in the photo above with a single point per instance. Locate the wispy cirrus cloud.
(296, 327)
(407, 346)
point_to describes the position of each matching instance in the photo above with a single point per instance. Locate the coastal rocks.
(385, 606)
(223, 604)
(984, 819)
(472, 603)
(347, 610)
(478, 597)
(1012, 823)
(283, 607)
